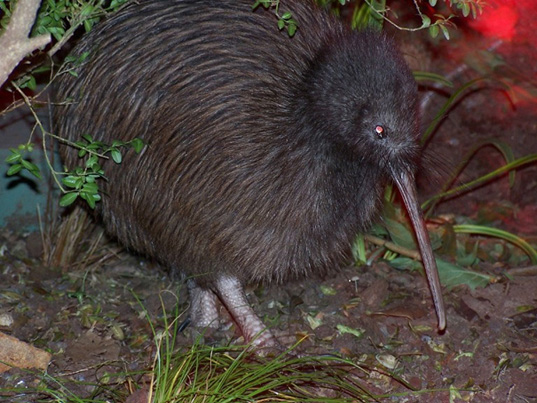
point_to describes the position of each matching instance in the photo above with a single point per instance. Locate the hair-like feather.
(266, 154)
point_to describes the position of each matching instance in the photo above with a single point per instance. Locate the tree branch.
(15, 42)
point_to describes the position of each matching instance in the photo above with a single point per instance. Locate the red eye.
(380, 132)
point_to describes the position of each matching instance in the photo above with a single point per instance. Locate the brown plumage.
(266, 154)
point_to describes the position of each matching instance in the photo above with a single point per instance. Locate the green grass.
(221, 374)
(236, 374)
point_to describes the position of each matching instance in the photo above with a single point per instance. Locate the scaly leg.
(203, 311)
(232, 295)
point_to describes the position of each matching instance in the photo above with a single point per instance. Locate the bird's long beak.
(407, 186)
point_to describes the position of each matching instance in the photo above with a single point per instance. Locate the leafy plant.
(61, 19)
(437, 18)
(83, 180)
(285, 20)
(19, 162)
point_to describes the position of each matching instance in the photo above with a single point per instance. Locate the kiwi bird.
(265, 154)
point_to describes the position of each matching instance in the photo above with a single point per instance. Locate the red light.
(498, 20)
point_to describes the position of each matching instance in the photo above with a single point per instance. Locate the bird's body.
(265, 154)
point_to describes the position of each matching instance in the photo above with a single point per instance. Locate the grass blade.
(498, 233)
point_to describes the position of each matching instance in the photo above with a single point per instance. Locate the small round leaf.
(68, 199)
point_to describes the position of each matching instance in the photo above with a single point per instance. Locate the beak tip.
(442, 324)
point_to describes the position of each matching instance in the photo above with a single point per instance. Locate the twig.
(523, 271)
(43, 137)
(414, 254)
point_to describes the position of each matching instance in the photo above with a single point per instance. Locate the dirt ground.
(93, 321)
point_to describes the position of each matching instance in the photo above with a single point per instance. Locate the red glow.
(525, 29)
(498, 20)
(509, 26)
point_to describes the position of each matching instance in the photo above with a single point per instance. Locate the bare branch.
(15, 42)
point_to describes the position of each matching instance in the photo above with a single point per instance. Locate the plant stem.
(414, 254)
(44, 134)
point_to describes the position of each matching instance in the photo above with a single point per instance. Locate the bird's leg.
(203, 311)
(231, 293)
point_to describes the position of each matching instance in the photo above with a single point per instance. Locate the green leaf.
(88, 138)
(475, 10)
(96, 168)
(90, 188)
(32, 84)
(57, 32)
(264, 3)
(281, 24)
(358, 249)
(87, 10)
(327, 290)
(15, 156)
(29, 82)
(88, 198)
(116, 156)
(94, 146)
(30, 166)
(432, 3)
(74, 182)
(355, 332)
(498, 233)
(92, 161)
(5, 9)
(87, 25)
(427, 76)
(36, 173)
(450, 274)
(465, 9)
(406, 263)
(14, 169)
(91, 178)
(476, 182)
(286, 16)
(83, 57)
(433, 31)
(291, 30)
(468, 259)
(425, 21)
(68, 199)
(445, 31)
(399, 233)
(314, 321)
(137, 144)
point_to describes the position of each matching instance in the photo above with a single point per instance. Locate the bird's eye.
(380, 131)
